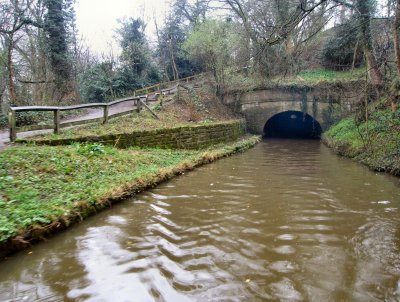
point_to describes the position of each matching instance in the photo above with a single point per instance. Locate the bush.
(3, 120)
(338, 51)
(27, 118)
(31, 118)
(95, 83)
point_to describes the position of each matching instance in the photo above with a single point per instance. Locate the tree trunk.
(57, 46)
(173, 64)
(396, 25)
(10, 46)
(374, 74)
(353, 64)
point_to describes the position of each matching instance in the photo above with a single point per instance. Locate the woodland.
(239, 42)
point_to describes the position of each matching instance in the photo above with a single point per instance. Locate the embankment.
(374, 143)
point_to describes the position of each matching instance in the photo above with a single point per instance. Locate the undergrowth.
(375, 143)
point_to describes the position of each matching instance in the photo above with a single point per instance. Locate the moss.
(186, 136)
(375, 144)
(124, 124)
(46, 189)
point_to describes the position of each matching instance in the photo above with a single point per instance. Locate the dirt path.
(91, 114)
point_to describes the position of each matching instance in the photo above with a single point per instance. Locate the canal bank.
(374, 143)
(47, 189)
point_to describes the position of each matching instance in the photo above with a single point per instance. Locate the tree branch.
(33, 82)
(345, 3)
(18, 27)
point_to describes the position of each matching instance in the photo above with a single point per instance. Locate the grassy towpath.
(46, 189)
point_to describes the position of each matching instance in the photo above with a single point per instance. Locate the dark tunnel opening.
(292, 124)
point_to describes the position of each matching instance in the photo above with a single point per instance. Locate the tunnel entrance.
(292, 124)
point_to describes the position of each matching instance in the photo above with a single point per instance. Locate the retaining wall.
(185, 137)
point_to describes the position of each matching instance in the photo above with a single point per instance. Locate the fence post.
(56, 121)
(12, 121)
(105, 120)
(138, 105)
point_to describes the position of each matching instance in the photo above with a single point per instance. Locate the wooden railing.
(57, 125)
(165, 86)
(159, 90)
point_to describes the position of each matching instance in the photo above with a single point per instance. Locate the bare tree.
(276, 29)
(14, 17)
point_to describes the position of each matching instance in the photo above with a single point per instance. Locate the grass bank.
(311, 78)
(375, 144)
(316, 76)
(320, 78)
(45, 189)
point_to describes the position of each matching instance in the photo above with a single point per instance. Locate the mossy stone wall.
(186, 137)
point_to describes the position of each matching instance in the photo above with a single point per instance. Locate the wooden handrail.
(57, 109)
(187, 79)
(34, 108)
(73, 107)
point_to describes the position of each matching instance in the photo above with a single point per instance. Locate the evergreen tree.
(57, 44)
(138, 68)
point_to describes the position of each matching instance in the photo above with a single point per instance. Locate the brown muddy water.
(285, 221)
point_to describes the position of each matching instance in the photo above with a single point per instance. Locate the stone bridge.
(296, 111)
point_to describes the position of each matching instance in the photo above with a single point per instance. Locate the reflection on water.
(286, 221)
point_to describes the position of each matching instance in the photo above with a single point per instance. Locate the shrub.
(3, 120)
(31, 118)
(338, 51)
(27, 118)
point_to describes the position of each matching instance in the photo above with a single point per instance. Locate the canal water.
(285, 221)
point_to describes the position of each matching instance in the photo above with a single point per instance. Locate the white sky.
(97, 19)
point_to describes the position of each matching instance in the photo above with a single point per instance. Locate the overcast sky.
(97, 19)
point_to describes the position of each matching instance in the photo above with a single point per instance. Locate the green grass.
(323, 75)
(315, 77)
(376, 143)
(41, 187)
(306, 78)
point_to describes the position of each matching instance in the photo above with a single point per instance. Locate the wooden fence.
(165, 86)
(139, 98)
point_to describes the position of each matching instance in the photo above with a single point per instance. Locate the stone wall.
(185, 137)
